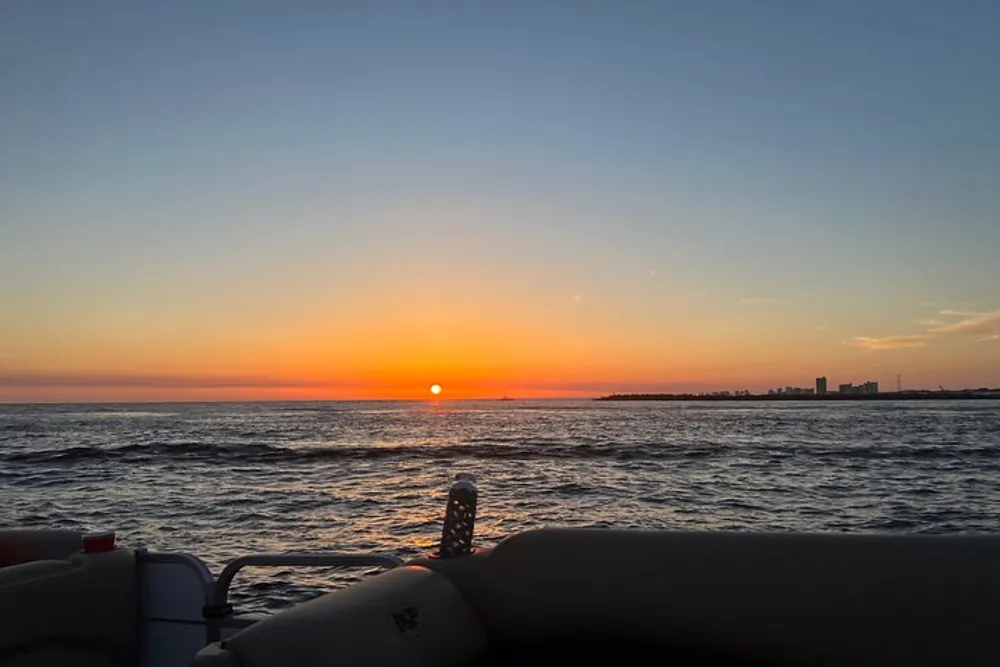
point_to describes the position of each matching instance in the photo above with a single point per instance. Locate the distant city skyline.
(221, 201)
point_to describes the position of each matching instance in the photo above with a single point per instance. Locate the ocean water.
(224, 480)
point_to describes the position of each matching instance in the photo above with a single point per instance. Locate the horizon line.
(457, 399)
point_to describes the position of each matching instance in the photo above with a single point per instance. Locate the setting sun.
(435, 389)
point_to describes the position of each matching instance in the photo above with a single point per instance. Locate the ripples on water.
(222, 480)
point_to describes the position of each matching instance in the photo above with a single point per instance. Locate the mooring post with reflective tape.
(459, 517)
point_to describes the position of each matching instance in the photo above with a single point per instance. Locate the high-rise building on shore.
(858, 390)
(821, 386)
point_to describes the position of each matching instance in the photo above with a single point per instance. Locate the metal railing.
(220, 607)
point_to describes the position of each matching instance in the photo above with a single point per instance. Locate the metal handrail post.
(221, 608)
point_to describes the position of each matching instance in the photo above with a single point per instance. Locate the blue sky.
(836, 162)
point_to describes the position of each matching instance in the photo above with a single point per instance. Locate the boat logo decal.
(407, 619)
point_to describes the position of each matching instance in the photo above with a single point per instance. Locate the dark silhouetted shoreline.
(960, 394)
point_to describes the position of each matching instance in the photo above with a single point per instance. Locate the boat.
(622, 596)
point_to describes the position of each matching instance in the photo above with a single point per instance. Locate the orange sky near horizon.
(394, 333)
(471, 355)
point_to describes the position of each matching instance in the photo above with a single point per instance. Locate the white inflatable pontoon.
(628, 597)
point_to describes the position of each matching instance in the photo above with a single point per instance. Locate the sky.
(258, 200)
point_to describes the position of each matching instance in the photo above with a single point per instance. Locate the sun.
(435, 389)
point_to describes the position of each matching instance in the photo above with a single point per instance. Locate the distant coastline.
(959, 394)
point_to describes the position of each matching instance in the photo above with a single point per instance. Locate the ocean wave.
(262, 453)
